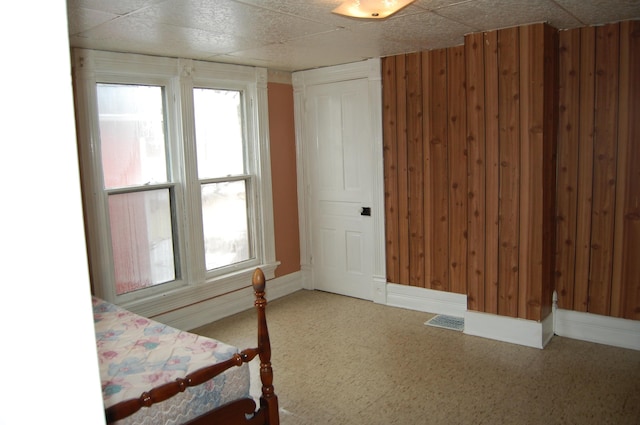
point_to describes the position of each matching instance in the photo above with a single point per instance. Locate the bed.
(155, 374)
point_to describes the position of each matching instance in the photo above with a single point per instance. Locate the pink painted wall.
(284, 179)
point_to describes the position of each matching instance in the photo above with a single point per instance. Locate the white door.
(338, 118)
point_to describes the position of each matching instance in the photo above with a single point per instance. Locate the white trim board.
(208, 311)
(508, 329)
(606, 330)
(517, 331)
(566, 323)
(422, 299)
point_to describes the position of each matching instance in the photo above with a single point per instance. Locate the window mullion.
(191, 185)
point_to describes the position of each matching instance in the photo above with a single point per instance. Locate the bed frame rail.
(241, 411)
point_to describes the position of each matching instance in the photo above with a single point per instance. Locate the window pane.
(132, 135)
(218, 122)
(224, 216)
(142, 240)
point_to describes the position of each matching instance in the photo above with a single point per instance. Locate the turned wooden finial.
(258, 280)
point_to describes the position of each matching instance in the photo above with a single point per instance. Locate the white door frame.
(369, 69)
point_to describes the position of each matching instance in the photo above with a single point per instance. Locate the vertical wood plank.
(549, 184)
(436, 141)
(604, 174)
(630, 273)
(415, 170)
(624, 86)
(403, 184)
(531, 208)
(390, 158)
(585, 169)
(426, 170)
(509, 122)
(457, 133)
(476, 210)
(492, 170)
(567, 199)
(527, 145)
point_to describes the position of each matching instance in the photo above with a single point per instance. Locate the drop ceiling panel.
(116, 7)
(233, 18)
(602, 11)
(292, 35)
(495, 14)
(81, 19)
(152, 37)
(427, 30)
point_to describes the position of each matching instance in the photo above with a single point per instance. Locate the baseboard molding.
(284, 285)
(599, 329)
(427, 300)
(508, 329)
(570, 324)
(566, 323)
(379, 290)
(208, 311)
(306, 277)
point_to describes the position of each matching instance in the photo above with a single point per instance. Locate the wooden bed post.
(268, 400)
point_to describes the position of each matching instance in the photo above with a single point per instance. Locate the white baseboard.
(600, 329)
(427, 300)
(208, 311)
(306, 279)
(379, 290)
(570, 324)
(508, 329)
(284, 285)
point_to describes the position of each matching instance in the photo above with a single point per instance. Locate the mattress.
(137, 354)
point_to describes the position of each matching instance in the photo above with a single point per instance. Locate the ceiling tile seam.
(117, 17)
(584, 24)
(472, 27)
(293, 15)
(80, 33)
(458, 3)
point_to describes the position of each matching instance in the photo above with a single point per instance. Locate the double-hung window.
(176, 177)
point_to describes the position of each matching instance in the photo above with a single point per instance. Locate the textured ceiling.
(292, 35)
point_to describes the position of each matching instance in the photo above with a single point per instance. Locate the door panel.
(341, 168)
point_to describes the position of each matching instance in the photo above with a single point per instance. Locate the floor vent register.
(446, 322)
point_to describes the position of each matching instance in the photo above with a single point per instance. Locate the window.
(222, 176)
(137, 186)
(176, 176)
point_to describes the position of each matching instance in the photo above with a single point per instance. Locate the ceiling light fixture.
(371, 9)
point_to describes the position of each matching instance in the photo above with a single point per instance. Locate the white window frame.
(179, 77)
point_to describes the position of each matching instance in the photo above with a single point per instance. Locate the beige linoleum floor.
(339, 360)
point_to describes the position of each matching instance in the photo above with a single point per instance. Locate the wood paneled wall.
(469, 146)
(490, 110)
(598, 245)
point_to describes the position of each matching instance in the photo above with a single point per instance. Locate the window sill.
(185, 296)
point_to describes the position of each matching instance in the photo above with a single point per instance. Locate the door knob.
(366, 211)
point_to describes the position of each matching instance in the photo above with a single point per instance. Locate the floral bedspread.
(137, 354)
